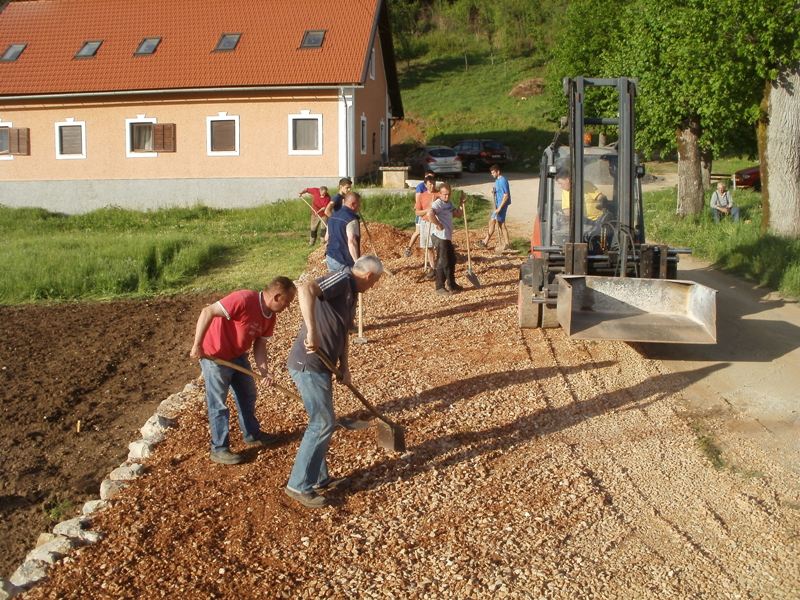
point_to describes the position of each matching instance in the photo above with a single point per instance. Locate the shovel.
(372, 246)
(346, 422)
(391, 436)
(473, 278)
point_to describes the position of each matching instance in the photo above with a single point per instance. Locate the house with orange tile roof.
(160, 103)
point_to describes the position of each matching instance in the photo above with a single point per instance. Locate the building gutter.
(117, 93)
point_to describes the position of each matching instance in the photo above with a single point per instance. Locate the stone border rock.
(76, 532)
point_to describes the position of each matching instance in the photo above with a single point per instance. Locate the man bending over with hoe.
(228, 329)
(328, 307)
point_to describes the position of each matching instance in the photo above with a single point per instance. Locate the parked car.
(749, 177)
(479, 155)
(442, 160)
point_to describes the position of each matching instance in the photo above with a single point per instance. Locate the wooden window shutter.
(223, 135)
(19, 141)
(71, 142)
(164, 137)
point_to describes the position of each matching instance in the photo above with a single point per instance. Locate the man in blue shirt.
(327, 305)
(344, 234)
(497, 220)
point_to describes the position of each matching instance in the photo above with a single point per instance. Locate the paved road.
(751, 377)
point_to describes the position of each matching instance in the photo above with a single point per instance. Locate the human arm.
(434, 219)
(203, 323)
(344, 363)
(261, 355)
(307, 294)
(353, 230)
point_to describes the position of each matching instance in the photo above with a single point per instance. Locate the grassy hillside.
(446, 100)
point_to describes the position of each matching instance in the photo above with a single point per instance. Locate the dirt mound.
(528, 88)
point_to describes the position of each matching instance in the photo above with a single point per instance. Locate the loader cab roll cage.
(607, 178)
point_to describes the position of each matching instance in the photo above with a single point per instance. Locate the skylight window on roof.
(227, 42)
(313, 39)
(89, 49)
(12, 52)
(148, 45)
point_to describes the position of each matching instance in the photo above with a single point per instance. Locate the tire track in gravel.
(622, 530)
(707, 533)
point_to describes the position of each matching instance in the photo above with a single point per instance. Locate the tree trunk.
(690, 184)
(706, 156)
(761, 135)
(783, 155)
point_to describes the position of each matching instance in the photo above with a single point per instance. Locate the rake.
(345, 422)
(473, 278)
(372, 246)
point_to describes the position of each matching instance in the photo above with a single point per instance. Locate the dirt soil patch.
(105, 364)
(537, 467)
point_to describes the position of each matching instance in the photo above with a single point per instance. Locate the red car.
(749, 177)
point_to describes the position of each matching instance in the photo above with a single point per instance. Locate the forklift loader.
(590, 269)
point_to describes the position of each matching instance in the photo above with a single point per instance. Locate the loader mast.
(590, 225)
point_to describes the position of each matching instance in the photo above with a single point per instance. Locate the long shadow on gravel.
(499, 302)
(448, 450)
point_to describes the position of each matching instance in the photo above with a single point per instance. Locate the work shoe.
(331, 484)
(407, 252)
(430, 276)
(226, 457)
(262, 439)
(456, 288)
(443, 292)
(481, 244)
(307, 499)
(312, 242)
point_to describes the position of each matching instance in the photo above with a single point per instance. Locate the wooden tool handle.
(330, 366)
(254, 375)
(466, 229)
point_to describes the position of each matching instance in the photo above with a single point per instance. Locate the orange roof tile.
(268, 53)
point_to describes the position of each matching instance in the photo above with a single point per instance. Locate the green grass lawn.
(115, 253)
(740, 248)
(450, 103)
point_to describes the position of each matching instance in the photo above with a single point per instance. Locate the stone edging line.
(76, 532)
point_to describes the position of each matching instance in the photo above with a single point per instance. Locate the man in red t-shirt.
(320, 200)
(228, 329)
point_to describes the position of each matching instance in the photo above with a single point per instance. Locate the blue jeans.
(334, 265)
(717, 214)
(310, 466)
(218, 379)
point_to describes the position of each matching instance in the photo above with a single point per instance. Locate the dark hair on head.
(283, 284)
(430, 178)
(495, 167)
(345, 181)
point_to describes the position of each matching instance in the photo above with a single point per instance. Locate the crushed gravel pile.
(536, 467)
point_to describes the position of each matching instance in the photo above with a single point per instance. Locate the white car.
(442, 160)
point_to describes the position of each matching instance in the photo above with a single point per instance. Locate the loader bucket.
(637, 310)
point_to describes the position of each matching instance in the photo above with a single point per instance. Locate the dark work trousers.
(445, 263)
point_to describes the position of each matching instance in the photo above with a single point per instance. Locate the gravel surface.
(537, 467)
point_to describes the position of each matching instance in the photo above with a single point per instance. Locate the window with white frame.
(70, 139)
(363, 134)
(383, 136)
(222, 135)
(305, 133)
(139, 137)
(5, 141)
(372, 64)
